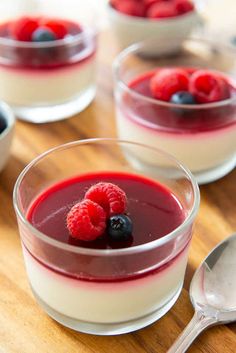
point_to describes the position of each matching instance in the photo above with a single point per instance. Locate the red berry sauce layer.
(153, 9)
(153, 209)
(191, 90)
(37, 43)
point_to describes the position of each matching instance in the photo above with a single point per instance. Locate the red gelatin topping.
(153, 209)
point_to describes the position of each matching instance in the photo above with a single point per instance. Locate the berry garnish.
(130, 7)
(109, 196)
(58, 28)
(86, 221)
(162, 10)
(208, 87)
(183, 6)
(149, 3)
(3, 123)
(120, 227)
(43, 34)
(23, 28)
(166, 82)
(182, 97)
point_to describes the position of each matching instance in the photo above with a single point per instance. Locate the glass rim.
(73, 39)
(134, 48)
(107, 252)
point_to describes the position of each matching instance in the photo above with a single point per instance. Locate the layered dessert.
(189, 112)
(45, 62)
(108, 216)
(135, 20)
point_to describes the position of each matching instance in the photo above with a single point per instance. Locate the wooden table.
(24, 327)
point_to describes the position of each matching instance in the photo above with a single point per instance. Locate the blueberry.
(182, 97)
(120, 227)
(43, 35)
(3, 123)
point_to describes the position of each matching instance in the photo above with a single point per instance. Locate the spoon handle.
(198, 324)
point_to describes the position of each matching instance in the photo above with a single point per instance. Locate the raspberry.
(86, 220)
(166, 82)
(208, 87)
(109, 196)
(162, 10)
(130, 7)
(149, 3)
(23, 28)
(58, 28)
(183, 6)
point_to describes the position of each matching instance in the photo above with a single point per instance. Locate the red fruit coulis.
(153, 209)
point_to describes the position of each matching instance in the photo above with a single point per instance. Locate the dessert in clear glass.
(133, 21)
(184, 104)
(105, 238)
(47, 58)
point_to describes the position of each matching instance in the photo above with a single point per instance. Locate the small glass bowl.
(131, 29)
(202, 136)
(105, 291)
(48, 81)
(6, 136)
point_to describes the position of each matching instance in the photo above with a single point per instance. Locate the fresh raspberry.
(59, 28)
(86, 220)
(166, 82)
(109, 196)
(130, 7)
(162, 10)
(149, 3)
(23, 28)
(208, 87)
(183, 6)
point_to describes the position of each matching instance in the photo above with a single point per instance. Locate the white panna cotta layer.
(106, 302)
(29, 87)
(199, 151)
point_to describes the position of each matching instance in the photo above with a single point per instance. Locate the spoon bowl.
(212, 293)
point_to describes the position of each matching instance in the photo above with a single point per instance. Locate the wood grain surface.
(24, 327)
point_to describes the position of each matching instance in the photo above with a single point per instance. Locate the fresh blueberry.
(3, 123)
(120, 227)
(182, 97)
(43, 35)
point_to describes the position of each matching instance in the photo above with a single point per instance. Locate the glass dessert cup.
(51, 80)
(201, 136)
(105, 291)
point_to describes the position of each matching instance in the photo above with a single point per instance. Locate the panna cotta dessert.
(106, 251)
(47, 66)
(133, 21)
(188, 111)
(7, 124)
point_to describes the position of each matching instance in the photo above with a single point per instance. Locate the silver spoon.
(212, 292)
